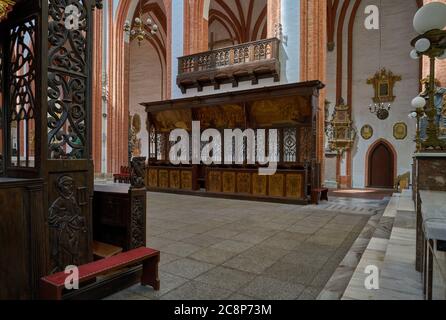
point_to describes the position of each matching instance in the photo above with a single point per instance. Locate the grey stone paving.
(227, 249)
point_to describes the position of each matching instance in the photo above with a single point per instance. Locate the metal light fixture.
(381, 103)
(418, 114)
(5, 8)
(140, 29)
(381, 110)
(429, 22)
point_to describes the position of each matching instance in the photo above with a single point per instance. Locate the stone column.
(273, 16)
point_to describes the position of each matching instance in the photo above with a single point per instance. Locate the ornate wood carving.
(305, 144)
(67, 82)
(68, 227)
(137, 177)
(383, 83)
(227, 116)
(280, 111)
(138, 220)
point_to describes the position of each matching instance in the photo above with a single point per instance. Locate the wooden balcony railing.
(247, 61)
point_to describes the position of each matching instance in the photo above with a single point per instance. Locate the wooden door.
(381, 167)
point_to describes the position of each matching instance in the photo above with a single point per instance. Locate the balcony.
(245, 62)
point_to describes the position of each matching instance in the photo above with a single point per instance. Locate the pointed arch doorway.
(381, 165)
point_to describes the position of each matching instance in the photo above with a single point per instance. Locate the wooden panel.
(186, 180)
(174, 181)
(229, 182)
(68, 196)
(294, 186)
(163, 179)
(214, 181)
(276, 185)
(15, 270)
(153, 178)
(259, 184)
(244, 183)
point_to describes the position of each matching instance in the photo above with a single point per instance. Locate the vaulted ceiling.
(237, 21)
(156, 11)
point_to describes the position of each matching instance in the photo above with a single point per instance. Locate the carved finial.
(138, 165)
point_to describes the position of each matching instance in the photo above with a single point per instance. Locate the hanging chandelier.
(140, 29)
(5, 8)
(381, 110)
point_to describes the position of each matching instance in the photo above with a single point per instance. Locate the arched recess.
(120, 72)
(237, 21)
(381, 165)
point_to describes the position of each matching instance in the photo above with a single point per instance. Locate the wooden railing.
(247, 52)
(251, 56)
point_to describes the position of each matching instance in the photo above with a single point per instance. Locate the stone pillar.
(273, 16)
(313, 58)
(195, 26)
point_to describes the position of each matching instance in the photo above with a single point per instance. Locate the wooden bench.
(52, 287)
(319, 195)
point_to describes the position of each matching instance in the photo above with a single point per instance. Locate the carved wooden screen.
(67, 81)
(22, 104)
(289, 145)
(68, 123)
(152, 143)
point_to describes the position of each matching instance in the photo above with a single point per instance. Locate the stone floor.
(215, 249)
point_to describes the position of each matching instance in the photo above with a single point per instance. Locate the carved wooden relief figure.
(138, 172)
(68, 227)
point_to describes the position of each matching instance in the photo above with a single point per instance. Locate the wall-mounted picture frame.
(400, 131)
(383, 83)
(367, 132)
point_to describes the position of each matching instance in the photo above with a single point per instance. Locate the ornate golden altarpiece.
(291, 109)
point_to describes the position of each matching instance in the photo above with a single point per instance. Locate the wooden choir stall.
(46, 167)
(290, 109)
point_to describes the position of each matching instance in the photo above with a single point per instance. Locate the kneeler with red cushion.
(51, 287)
